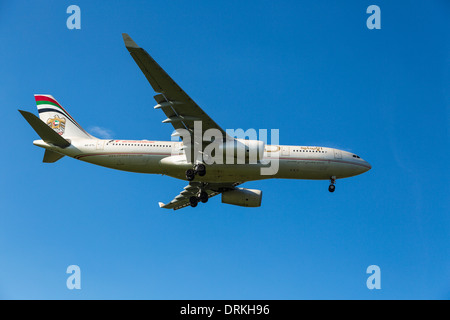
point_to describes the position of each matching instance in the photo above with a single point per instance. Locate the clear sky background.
(311, 69)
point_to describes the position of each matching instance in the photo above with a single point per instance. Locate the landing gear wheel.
(193, 201)
(332, 187)
(190, 174)
(200, 169)
(203, 197)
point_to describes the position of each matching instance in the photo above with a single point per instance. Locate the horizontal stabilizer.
(44, 131)
(51, 156)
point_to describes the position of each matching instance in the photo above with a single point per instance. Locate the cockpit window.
(355, 156)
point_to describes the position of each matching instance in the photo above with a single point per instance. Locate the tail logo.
(58, 124)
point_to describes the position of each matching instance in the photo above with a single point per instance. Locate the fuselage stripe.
(161, 154)
(332, 160)
(119, 153)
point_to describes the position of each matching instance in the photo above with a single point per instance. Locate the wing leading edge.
(180, 109)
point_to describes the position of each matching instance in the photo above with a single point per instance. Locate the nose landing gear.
(332, 187)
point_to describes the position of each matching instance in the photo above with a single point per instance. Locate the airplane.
(187, 159)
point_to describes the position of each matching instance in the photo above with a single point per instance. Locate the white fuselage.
(165, 157)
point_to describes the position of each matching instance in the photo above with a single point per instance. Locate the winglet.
(129, 43)
(161, 204)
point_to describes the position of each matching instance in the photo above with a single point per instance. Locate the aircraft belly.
(142, 163)
(220, 173)
(287, 169)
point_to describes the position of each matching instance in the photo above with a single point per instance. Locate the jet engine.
(243, 197)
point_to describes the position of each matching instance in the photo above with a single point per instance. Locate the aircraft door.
(337, 154)
(285, 150)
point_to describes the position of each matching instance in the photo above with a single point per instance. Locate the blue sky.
(311, 69)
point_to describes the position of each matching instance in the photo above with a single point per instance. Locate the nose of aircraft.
(367, 165)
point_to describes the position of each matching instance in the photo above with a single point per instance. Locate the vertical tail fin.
(57, 118)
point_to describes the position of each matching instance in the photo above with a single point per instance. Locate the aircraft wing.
(180, 109)
(182, 200)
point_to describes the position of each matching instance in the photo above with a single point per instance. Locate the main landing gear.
(201, 197)
(332, 187)
(199, 169)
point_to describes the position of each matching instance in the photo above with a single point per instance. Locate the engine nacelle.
(245, 151)
(243, 197)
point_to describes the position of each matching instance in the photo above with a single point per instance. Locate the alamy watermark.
(74, 20)
(74, 280)
(374, 280)
(213, 146)
(374, 20)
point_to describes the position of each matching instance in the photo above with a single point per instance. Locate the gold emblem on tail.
(58, 124)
